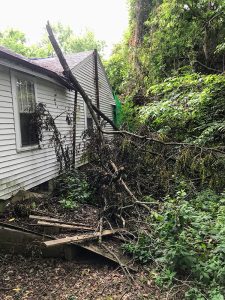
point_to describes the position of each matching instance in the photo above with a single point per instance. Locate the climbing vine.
(47, 128)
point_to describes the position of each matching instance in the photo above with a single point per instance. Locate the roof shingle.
(50, 65)
(53, 64)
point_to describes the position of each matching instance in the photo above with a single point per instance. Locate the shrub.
(187, 239)
(73, 189)
(188, 108)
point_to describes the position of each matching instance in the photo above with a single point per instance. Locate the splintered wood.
(81, 238)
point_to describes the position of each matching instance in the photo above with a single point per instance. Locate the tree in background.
(167, 36)
(16, 41)
(71, 43)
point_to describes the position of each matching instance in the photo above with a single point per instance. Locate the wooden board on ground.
(81, 238)
(64, 226)
(55, 220)
(118, 258)
(17, 240)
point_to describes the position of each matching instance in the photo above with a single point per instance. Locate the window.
(89, 119)
(114, 114)
(25, 96)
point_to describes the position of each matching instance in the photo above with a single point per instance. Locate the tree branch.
(150, 139)
(77, 87)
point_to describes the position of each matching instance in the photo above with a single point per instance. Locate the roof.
(49, 66)
(53, 64)
(13, 54)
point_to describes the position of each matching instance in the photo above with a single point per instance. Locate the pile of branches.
(130, 169)
(131, 172)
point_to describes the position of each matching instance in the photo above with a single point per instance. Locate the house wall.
(105, 94)
(24, 170)
(85, 74)
(30, 168)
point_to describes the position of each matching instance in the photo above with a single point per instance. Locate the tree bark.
(68, 73)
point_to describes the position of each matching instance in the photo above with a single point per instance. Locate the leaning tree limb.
(93, 109)
(101, 114)
(70, 76)
(150, 139)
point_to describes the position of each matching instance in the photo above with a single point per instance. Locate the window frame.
(114, 113)
(87, 116)
(14, 76)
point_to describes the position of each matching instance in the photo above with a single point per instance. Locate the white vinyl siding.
(105, 94)
(24, 170)
(85, 74)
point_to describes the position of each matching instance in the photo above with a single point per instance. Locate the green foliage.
(183, 33)
(73, 189)
(186, 240)
(130, 116)
(178, 33)
(173, 70)
(188, 108)
(70, 43)
(16, 41)
(118, 67)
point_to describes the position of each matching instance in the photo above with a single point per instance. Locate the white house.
(24, 82)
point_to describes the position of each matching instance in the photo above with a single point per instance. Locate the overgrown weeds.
(72, 189)
(186, 240)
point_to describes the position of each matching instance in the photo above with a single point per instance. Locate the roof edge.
(83, 61)
(32, 66)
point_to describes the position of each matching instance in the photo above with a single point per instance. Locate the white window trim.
(14, 75)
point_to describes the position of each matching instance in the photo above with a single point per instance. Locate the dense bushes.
(188, 108)
(174, 92)
(186, 240)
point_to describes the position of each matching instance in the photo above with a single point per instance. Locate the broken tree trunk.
(68, 73)
(81, 238)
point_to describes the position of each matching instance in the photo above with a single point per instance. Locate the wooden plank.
(64, 226)
(98, 249)
(44, 218)
(19, 228)
(81, 238)
(55, 220)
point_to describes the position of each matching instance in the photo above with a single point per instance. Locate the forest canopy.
(69, 41)
(165, 37)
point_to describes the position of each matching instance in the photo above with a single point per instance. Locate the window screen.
(26, 104)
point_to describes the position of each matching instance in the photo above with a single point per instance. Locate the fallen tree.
(114, 169)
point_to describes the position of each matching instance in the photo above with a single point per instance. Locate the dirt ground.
(56, 279)
(38, 278)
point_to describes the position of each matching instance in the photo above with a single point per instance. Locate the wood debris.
(81, 238)
(100, 250)
(55, 220)
(64, 226)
